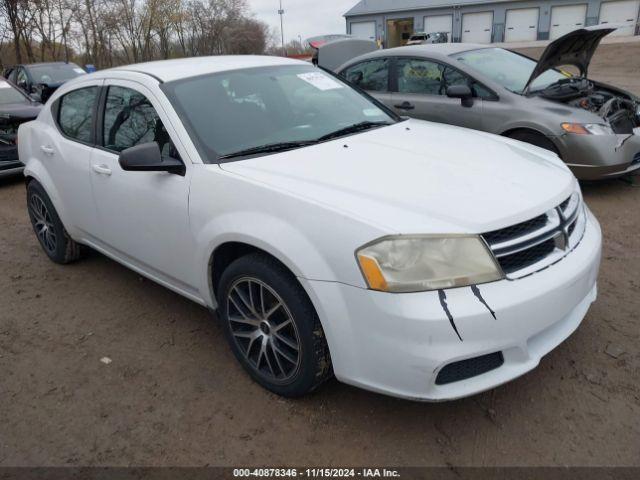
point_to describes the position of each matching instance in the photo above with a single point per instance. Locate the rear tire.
(534, 138)
(272, 327)
(53, 238)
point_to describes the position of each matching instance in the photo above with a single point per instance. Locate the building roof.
(364, 7)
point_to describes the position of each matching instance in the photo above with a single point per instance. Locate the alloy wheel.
(43, 223)
(263, 329)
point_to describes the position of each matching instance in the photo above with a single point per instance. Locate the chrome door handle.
(101, 169)
(47, 150)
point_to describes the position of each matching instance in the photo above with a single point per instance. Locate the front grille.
(509, 233)
(472, 367)
(532, 245)
(525, 258)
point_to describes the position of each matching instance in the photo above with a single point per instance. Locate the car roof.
(432, 50)
(169, 70)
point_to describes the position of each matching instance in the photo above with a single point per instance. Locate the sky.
(306, 18)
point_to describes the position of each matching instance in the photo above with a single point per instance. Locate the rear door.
(419, 90)
(143, 216)
(65, 148)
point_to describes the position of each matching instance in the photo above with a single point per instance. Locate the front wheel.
(272, 326)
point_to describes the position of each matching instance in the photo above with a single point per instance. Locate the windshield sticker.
(79, 70)
(4, 84)
(320, 81)
(372, 112)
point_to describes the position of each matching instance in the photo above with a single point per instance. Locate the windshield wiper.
(355, 128)
(269, 148)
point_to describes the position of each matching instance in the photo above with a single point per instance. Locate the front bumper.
(397, 343)
(596, 157)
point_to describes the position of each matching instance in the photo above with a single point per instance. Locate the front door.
(420, 88)
(143, 215)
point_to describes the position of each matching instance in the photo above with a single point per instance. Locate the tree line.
(108, 33)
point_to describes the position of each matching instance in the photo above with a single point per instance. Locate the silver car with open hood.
(593, 127)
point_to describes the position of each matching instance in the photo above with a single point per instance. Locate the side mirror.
(147, 157)
(463, 92)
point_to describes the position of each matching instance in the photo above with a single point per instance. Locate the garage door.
(365, 30)
(476, 27)
(439, 23)
(566, 19)
(521, 25)
(623, 12)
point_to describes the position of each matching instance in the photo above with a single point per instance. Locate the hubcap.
(263, 329)
(42, 223)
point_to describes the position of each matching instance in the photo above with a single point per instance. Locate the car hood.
(20, 112)
(420, 177)
(575, 48)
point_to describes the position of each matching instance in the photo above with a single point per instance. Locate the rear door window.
(75, 114)
(372, 75)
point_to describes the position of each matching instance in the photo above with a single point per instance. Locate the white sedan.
(332, 237)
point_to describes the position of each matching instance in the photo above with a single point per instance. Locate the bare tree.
(113, 32)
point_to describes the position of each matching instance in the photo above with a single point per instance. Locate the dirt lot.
(174, 395)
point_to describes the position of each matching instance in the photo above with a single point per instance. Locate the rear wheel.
(53, 238)
(272, 326)
(534, 138)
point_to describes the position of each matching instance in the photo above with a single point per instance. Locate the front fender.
(276, 237)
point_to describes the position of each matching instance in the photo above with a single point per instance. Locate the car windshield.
(54, 73)
(509, 69)
(9, 95)
(246, 109)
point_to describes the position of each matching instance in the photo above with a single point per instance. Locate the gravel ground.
(174, 395)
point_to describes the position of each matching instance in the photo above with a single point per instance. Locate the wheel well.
(226, 254)
(546, 141)
(508, 133)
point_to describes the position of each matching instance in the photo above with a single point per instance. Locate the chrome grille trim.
(540, 247)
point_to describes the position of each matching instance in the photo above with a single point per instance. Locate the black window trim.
(55, 110)
(394, 77)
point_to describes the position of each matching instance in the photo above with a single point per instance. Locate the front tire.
(272, 327)
(53, 238)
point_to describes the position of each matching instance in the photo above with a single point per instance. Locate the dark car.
(15, 108)
(40, 80)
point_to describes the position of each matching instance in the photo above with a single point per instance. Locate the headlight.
(416, 263)
(587, 128)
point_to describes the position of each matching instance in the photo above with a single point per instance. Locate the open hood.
(575, 48)
(333, 54)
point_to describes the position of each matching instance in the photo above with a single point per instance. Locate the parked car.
(40, 80)
(592, 126)
(15, 109)
(426, 38)
(416, 259)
